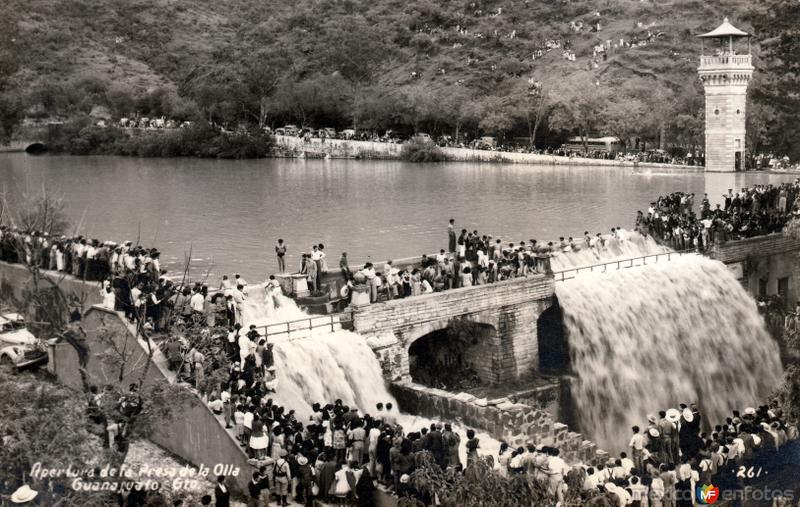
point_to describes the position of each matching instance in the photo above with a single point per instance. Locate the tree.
(12, 110)
(579, 108)
(45, 423)
(624, 117)
(497, 117)
(261, 75)
(357, 54)
(776, 22)
(531, 100)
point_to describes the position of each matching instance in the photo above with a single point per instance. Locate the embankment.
(339, 148)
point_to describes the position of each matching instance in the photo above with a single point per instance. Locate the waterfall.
(626, 246)
(323, 366)
(646, 339)
(318, 365)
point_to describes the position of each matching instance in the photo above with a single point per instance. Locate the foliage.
(478, 485)
(439, 67)
(775, 22)
(787, 396)
(421, 152)
(198, 140)
(46, 423)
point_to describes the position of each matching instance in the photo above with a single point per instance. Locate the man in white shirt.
(369, 272)
(197, 302)
(244, 348)
(637, 444)
(238, 300)
(556, 468)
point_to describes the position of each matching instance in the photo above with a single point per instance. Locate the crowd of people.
(342, 454)
(761, 209)
(671, 455)
(85, 258)
(471, 259)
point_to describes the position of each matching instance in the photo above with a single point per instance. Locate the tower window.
(738, 111)
(716, 112)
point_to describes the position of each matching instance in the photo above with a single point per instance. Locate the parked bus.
(606, 144)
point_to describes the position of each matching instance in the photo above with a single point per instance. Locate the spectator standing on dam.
(451, 236)
(280, 252)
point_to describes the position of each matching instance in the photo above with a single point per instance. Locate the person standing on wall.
(280, 251)
(451, 236)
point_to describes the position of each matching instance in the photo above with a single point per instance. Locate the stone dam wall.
(517, 423)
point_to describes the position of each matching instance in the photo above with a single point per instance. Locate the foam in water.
(649, 338)
(324, 366)
(629, 245)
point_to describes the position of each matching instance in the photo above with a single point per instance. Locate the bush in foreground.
(419, 152)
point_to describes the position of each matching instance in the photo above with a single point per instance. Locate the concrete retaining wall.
(195, 433)
(16, 285)
(340, 148)
(517, 424)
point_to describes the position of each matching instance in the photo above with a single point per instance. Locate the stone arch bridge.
(507, 311)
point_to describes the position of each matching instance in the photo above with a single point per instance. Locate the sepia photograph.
(399, 253)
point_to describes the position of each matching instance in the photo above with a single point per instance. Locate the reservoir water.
(232, 212)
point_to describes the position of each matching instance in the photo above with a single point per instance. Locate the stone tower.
(725, 76)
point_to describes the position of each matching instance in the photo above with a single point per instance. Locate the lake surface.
(231, 213)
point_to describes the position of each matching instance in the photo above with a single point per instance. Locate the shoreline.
(340, 149)
(351, 149)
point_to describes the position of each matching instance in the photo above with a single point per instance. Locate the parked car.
(329, 132)
(19, 348)
(485, 143)
(290, 130)
(347, 134)
(422, 138)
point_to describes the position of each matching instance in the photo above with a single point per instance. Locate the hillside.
(389, 63)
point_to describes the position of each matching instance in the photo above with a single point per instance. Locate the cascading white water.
(646, 339)
(323, 366)
(629, 245)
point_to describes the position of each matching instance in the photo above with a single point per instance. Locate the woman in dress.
(258, 440)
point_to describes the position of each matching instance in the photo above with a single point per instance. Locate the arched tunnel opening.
(460, 356)
(553, 345)
(36, 148)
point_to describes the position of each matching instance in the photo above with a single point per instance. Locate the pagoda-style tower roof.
(725, 30)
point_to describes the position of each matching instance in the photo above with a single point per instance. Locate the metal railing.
(306, 325)
(571, 273)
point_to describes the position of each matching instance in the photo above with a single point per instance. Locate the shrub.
(419, 152)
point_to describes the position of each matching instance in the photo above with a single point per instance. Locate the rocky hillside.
(246, 59)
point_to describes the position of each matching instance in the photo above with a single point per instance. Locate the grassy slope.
(147, 43)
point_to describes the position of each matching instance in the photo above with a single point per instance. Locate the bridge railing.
(302, 328)
(568, 274)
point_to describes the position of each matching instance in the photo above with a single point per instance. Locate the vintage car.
(19, 348)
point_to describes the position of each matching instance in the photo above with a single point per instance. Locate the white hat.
(404, 478)
(653, 432)
(301, 460)
(749, 411)
(688, 415)
(673, 415)
(610, 486)
(24, 494)
(651, 418)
